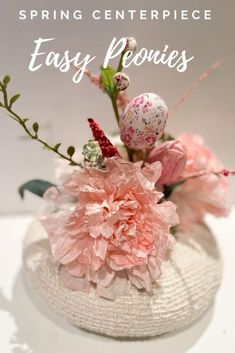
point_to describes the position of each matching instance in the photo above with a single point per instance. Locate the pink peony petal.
(100, 248)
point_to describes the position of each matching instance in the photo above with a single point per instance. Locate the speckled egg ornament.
(143, 121)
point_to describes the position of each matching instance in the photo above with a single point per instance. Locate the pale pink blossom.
(117, 226)
(172, 155)
(122, 100)
(200, 195)
(96, 79)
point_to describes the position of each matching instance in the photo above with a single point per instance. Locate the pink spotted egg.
(143, 121)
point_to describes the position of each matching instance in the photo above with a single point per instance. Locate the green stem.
(116, 92)
(119, 69)
(115, 108)
(5, 98)
(130, 153)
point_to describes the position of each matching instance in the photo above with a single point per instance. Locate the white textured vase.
(184, 291)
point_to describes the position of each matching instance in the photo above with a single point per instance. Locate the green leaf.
(35, 127)
(57, 146)
(6, 80)
(36, 186)
(14, 99)
(107, 79)
(168, 189)
(71, 151)
(166, 137)
(173, 230)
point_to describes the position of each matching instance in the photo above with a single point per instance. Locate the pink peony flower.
(117, 226)
(204, 194)
(172, 155)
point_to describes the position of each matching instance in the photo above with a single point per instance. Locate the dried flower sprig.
(194, 85)
(34, 132)
(168, 189)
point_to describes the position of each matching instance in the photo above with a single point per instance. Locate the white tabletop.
(28, 326)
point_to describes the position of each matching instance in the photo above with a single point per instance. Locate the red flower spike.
(107, 148)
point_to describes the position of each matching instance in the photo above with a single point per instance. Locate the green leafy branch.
(33, 133)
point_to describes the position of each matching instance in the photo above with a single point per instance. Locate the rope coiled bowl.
(186, 288)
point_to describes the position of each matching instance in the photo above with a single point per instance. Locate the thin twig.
(33, 135)
(194, 85)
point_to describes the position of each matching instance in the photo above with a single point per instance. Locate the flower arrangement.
(117, 213)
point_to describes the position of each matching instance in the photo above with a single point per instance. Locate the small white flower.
(131, 44)
(92, 154)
